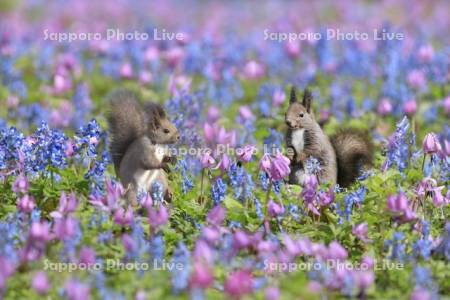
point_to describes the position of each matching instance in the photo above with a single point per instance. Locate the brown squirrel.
(139, 138)
(340, 157)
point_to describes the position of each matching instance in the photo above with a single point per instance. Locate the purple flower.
(410, 107)
(216, 215)
(416, 79)
(202, 276)
(126, 71)
(272, 293)
(21, 184)
(431, 144)
(66, 205)
(360, 231)
(278, 97)
(420, 294)
(279, 167)
(26, 204)
(245, 113)
(65, 228)
(207, 161)
(274, 209)
(40, 283)
(245, 154)
(447, 105)
(336, 251)
(76, 290)
(425, 53)
(123, 217)
(384, 107)
(241, 240)
(87, 256)
(158, 217)
(40, 232)
(213, 114)
(238, 284)
(224, 163)
(363, 279)
(253, 70)
(265, 163)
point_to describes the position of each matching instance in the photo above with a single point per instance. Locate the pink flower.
(21, 184)
(431, 144)
(26, 204)
(145, 77)
(360, 231)
(416, 79)
(66, 205)
(211, 234)
(399, 205)
(272, 293)
(253, 70)
(293, 49)
(238, 284)
(224, 163)
(203, 252)
(207, 161)
(87, 256)
(410, 107)
(40, 283)
(279, 167)
(201, 276)
(216, 215)
(245, 113)
(364, 279)
(245, 154)
(384, 107)
(126, 71)
(265, 163)
(158, 217)
(76, 290)
(174, 56)
(213, 114)
(447, 105)
(425, 53)
(151, 54)
(241, 240)
(438, 198)
(336, 251)
(274, 209)
(65, 227)
(40, 232)
(278, 97)
(123, 217)
(420, 294)
(128, 243)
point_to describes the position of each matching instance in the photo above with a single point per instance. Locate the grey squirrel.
(140, 135)
(340, 157)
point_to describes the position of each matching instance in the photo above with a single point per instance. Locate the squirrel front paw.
(290, 153)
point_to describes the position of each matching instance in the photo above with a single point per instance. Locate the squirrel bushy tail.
(353, 149)
(126, 121)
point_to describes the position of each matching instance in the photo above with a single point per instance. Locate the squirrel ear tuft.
(293, 97)
(307, 98)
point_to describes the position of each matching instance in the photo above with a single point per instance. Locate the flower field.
(234, 228)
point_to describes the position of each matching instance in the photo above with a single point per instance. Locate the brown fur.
(340, 160)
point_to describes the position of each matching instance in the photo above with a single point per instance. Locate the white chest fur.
(161, 151)
(145, 178)
(298, 140)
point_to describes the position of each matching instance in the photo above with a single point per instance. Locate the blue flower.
(218, 190)
(180, 276)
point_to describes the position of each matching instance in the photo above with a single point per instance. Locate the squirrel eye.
(166, 130)
(301, 115)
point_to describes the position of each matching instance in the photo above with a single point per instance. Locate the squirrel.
(340, 157)
(138, 146)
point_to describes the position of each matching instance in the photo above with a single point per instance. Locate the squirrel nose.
(178, 137)
(289, 123)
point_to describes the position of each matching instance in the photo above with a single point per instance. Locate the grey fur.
(137, 134)
(340, 160)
